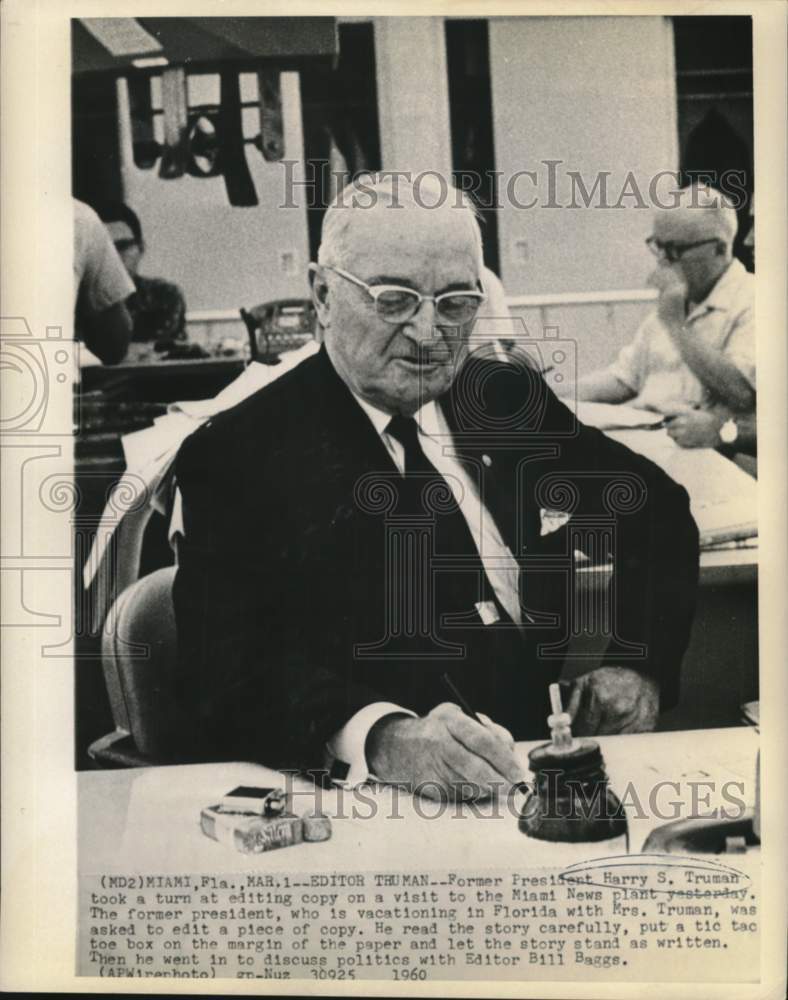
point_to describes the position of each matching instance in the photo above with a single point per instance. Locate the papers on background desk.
(723, 498)
(607, 417)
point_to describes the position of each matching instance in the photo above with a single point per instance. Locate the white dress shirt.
(347, 746)
(652, 366)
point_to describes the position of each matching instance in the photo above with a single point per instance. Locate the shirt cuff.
(345, 751)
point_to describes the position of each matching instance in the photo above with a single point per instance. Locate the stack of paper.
(607, 417)
(723, 498)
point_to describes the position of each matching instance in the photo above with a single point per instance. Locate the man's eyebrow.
(385, 279)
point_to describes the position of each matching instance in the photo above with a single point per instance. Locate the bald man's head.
(375, 202)
(397, 287)
(700, 212)
(696, 236)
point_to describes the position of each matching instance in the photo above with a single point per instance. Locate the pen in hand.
(463, 703)
(669, 418)
(455, 693)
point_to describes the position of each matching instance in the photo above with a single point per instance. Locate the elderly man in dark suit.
(383, 515)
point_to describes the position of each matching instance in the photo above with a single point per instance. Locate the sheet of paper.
(608, 417)
(723, 498)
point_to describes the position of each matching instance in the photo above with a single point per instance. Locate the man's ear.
(320, 293)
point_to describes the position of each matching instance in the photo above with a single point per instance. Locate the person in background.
(101, 290)
(693, 359)
(157, 307)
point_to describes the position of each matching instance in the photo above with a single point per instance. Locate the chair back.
(138, 655)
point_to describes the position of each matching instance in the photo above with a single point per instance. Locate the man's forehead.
(389, 241)
(685, 223)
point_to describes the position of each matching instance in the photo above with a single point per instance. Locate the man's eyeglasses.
(396, 304)
(673, 252)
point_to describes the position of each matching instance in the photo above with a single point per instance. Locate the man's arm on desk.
(701, 429)
(108, 333)
(601, 387)
(623, 379)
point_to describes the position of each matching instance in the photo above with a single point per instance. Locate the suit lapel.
(346, 444)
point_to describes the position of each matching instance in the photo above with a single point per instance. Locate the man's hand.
(613, 700)
(695, 429)
(452, 755)
(673, 294)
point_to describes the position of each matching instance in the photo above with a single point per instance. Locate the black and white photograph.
(392, 581)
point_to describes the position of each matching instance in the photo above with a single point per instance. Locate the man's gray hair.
(701, 196)
(397, 192)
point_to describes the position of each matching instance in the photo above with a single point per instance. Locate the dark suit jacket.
(281, 589)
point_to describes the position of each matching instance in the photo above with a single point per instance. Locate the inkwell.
(572, 800)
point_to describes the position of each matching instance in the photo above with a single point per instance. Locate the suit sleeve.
(654, 546)
(260, 672)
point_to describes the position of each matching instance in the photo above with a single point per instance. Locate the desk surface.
(717, 566)
(725, 566)
(147, 820)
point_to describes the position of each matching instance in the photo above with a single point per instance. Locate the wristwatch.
(729, 432)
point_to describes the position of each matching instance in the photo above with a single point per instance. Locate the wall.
(413, 93)
(224, 257)
(597, 94)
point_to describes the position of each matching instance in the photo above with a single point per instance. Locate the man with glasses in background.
(693, 359)
(376, 520)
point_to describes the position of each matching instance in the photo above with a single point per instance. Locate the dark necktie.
(489, 671)
(426, 493)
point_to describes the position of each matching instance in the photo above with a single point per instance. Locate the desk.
(721, 567)
(147, 820)
(717, 567)
(163, 381)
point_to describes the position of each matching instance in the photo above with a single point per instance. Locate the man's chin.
(411, 389)
(425, 382)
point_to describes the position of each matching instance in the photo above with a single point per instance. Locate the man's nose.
(423, 325)
(664, 265)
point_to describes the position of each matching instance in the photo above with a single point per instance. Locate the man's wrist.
(346, 755)
(381, 738)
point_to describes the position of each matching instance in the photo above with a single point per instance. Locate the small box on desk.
(250, 833)
(252, 820)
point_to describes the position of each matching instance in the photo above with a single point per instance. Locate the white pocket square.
(552, 520)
